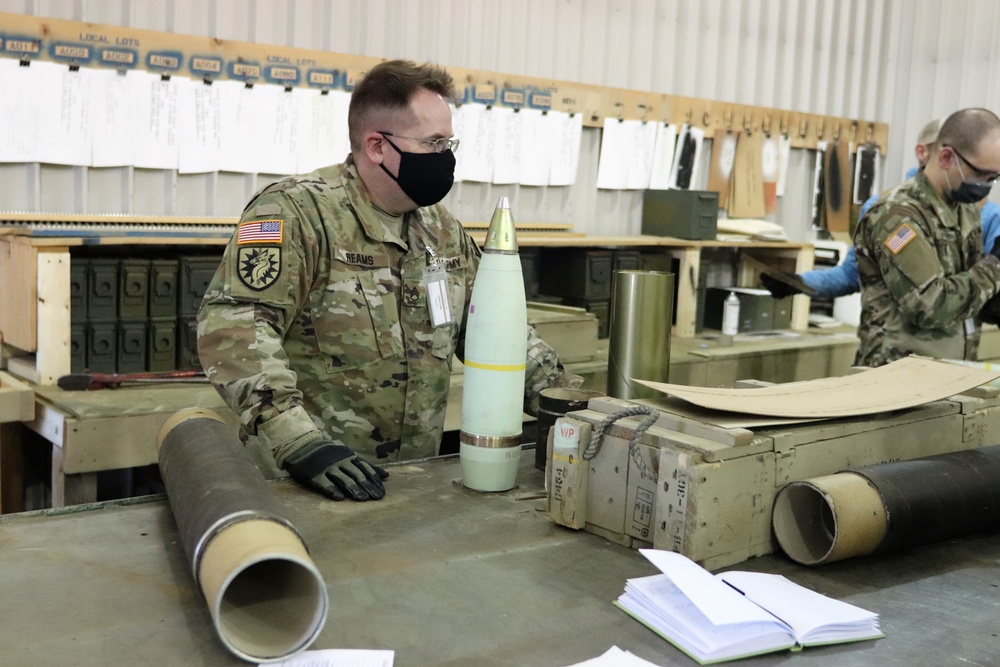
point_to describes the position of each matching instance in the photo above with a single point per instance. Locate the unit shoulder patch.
(259, 266)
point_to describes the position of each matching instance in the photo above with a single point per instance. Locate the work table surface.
(447, 577)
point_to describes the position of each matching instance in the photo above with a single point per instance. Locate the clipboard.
(791, 280)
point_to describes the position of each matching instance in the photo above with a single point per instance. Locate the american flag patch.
(900, 238)
(259, 231)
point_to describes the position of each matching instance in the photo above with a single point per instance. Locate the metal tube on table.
(266, 597)
(639, 339)
(889, 506)
(496, 342)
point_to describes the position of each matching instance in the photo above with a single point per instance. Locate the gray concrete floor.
(445, 577)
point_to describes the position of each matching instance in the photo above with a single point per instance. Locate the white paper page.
(156, 135)
(262, 154)
(20, 92)
(324, 138)
(615, 657)
(803, 609)
(278, 126)
(477, 125)
(817, 185)
(640, 168)
(65, 135)
(536, 147)
(507, 149)
(663, 156)
(784, 152)
(239, 127)
(199, 116)
(288, 133)
(769, 160)
(720, 603)
(336, 657)
(114, 98)
(567, 136)
(612, 168)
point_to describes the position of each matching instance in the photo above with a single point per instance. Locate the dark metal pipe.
(889, 506)
(939, 497)
(267, 599)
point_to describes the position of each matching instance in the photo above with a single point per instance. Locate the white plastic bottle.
(731, 315)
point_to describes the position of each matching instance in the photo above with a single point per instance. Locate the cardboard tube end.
(829, 518)
(174, 420)
(267, 599)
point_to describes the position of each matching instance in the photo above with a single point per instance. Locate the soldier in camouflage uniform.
(316, 328)
(924, 275)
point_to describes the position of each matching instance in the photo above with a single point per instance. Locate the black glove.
(777, 288)
(335, 471)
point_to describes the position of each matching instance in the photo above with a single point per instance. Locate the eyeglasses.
(991, 176)
(436, 145)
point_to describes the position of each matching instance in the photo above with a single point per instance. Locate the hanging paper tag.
(436, 284)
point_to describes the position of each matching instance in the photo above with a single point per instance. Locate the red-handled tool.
(88, 381)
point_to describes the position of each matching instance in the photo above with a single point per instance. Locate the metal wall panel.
(897, 61)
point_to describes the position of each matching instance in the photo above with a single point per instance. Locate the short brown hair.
(964, 129)
(388, 88)
(929, 134)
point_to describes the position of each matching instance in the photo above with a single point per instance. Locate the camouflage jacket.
(924, 277)
(317, 321)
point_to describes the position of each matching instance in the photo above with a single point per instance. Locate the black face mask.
(424, 177)
(967, 192)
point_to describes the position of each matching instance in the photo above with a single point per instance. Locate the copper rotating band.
(490, 441)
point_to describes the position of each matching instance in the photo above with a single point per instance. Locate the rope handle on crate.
(597, 438)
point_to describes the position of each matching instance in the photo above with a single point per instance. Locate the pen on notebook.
(734, 588)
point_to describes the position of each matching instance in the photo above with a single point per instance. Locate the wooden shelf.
(35, 312)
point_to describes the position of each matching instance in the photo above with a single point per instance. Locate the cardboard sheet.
(747, 195)
(906, 383)
(720, 418)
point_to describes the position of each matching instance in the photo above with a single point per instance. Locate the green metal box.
(161, 345)
(577, 273)
(133, 289)
(102, 346)
(77, 347)
(102, 289)
(78, 268)
(163, 288)
(682, 214)
(132, 346)
(194, 276)
(756, 308)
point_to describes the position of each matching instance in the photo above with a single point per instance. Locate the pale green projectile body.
(495, 353)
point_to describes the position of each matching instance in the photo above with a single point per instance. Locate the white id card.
(436, 284)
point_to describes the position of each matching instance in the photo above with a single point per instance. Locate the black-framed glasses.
(991, 176)
(436, 145)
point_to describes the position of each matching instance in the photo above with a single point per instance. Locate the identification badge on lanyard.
(436, 285)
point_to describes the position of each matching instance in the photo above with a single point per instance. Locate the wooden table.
(109, 429)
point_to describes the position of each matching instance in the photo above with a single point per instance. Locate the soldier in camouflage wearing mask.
(316, 328)
(924, 275)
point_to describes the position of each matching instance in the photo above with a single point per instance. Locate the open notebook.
(732, 615)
